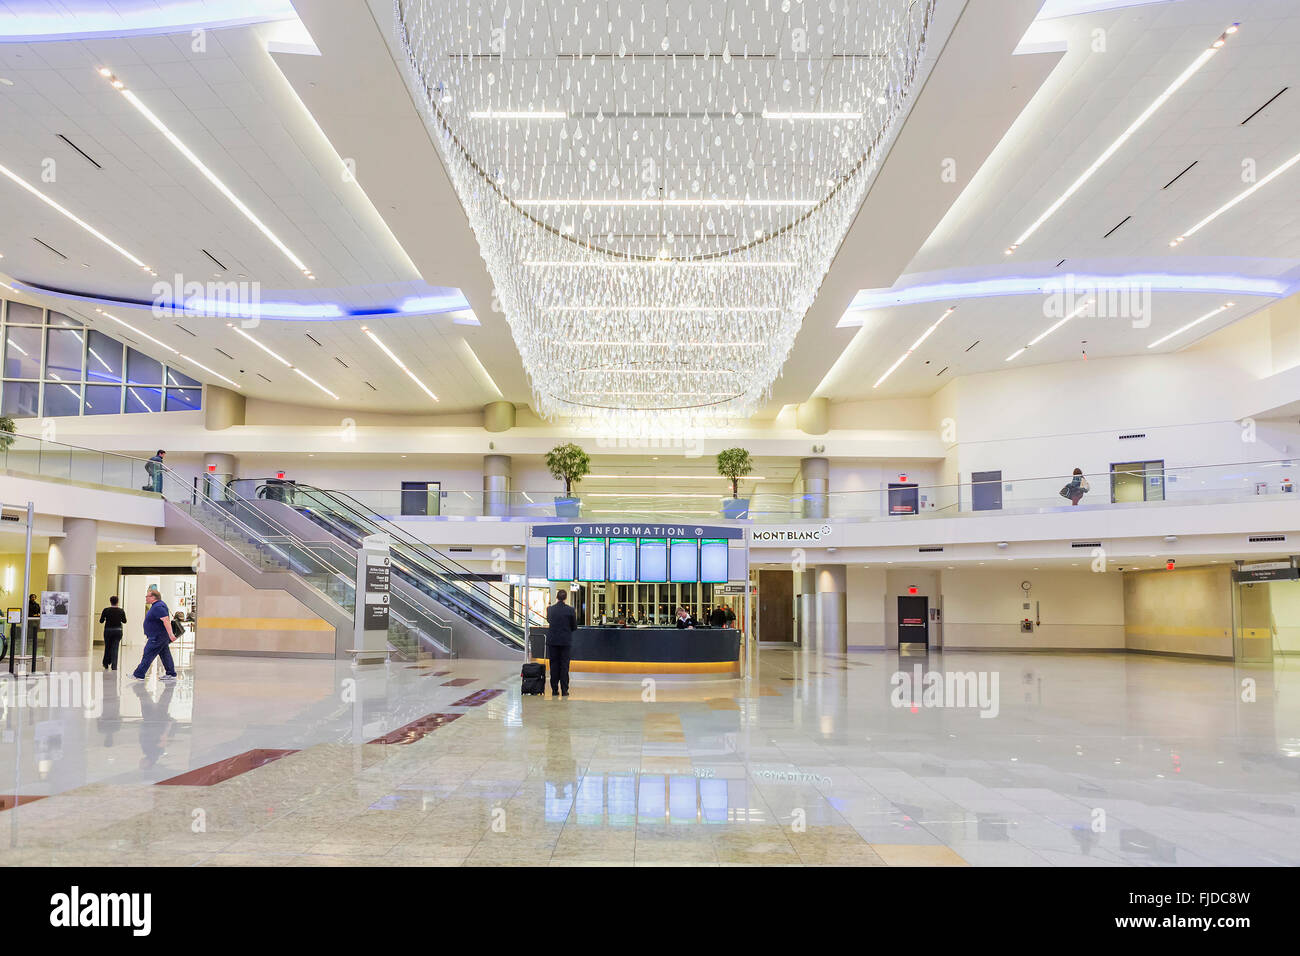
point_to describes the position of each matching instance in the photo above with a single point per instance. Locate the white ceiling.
(242, 111)
(1089, 99)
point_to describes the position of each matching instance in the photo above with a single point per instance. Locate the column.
(806, 597)
(815, 473)
(496, 484)
(832, 608)
(814, 416)
(222, 408)
(219, 469)
(72, 568)
(498, 416)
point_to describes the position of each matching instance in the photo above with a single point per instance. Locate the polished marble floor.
(1064, 760)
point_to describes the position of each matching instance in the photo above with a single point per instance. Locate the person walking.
(158, 638)
(33, 619)
(112, 617)
(154, 466)
(718, 617)
(560, 621)
(1078, 487)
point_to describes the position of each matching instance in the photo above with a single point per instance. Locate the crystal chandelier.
(659, 188)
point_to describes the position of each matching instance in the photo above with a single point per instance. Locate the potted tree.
(567, 463)
(7, 430)
(734, 464)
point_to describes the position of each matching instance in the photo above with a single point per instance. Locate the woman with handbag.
(1077, 487)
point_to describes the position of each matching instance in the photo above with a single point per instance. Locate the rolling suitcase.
(532, 678)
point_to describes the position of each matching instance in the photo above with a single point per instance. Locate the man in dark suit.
(560, 621)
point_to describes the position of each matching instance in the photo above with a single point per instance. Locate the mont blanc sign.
(792, 534)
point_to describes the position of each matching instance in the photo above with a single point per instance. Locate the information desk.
(712, 652)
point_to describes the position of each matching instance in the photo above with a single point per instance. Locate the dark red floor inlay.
(9, 801)
(478, 697)
(225, 769)
(458, 681)
(410, 733)
(437, 674)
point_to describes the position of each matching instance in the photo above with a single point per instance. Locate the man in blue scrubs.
(158, 638)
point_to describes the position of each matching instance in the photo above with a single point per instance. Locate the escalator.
(422, 575)
(314, 568)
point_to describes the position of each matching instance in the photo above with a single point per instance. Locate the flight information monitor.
(713, 560)
(682, 564)
(559, 559)
(654, 560)
(622, 559)
(591, 559)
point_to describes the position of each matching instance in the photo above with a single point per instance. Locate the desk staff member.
(684, 619)
(560, 621)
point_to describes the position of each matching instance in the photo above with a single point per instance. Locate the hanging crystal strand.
(708, 277)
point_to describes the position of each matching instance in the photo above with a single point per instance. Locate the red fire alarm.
(279, 474)
(212, 467)
(912, 589)
(1169, 565)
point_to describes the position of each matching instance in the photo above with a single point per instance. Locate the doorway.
(913, 619)
(1137, 481)
(179, 589)
(775, 606)
(986, 490)
(421, 497)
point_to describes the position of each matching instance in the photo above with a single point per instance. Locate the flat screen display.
(559, 559)
(622, 559)
(591, 559)
(713, 560)
(682, 563)
(654, 560)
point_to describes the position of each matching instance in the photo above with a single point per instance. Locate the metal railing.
(1183, 485)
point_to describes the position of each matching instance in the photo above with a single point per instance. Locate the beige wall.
(235, 618)
(866, 606)
(1077, 609)
(1188, 611)
(1284, 599)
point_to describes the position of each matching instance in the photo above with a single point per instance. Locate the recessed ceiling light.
(80, 222)
(208, 174)
(1044, 334)
(1243, 195)
(399, 363)
(1195, 322)
(914, 346)
(1123, 137)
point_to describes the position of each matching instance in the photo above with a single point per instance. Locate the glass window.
(142, 370)
(66, 321)
(20, 399)
(184, 399)
(103, 399)
(62, 399)
(104, 360)
(141, 399)
(63, 355)
(20, 314)
(180, 379)
(22, 353)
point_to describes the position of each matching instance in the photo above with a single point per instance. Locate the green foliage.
(734, 464)
(7, 429)
(568, 463)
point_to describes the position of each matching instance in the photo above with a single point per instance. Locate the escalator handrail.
(432, 555)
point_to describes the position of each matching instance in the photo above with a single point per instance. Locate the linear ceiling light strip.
(399, 363)
(1192, 324)
(914, 346)
(1241, 196)
(1044, 334)
(1124, 137)
(78, 220)
(279, 358)
(208, 174)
